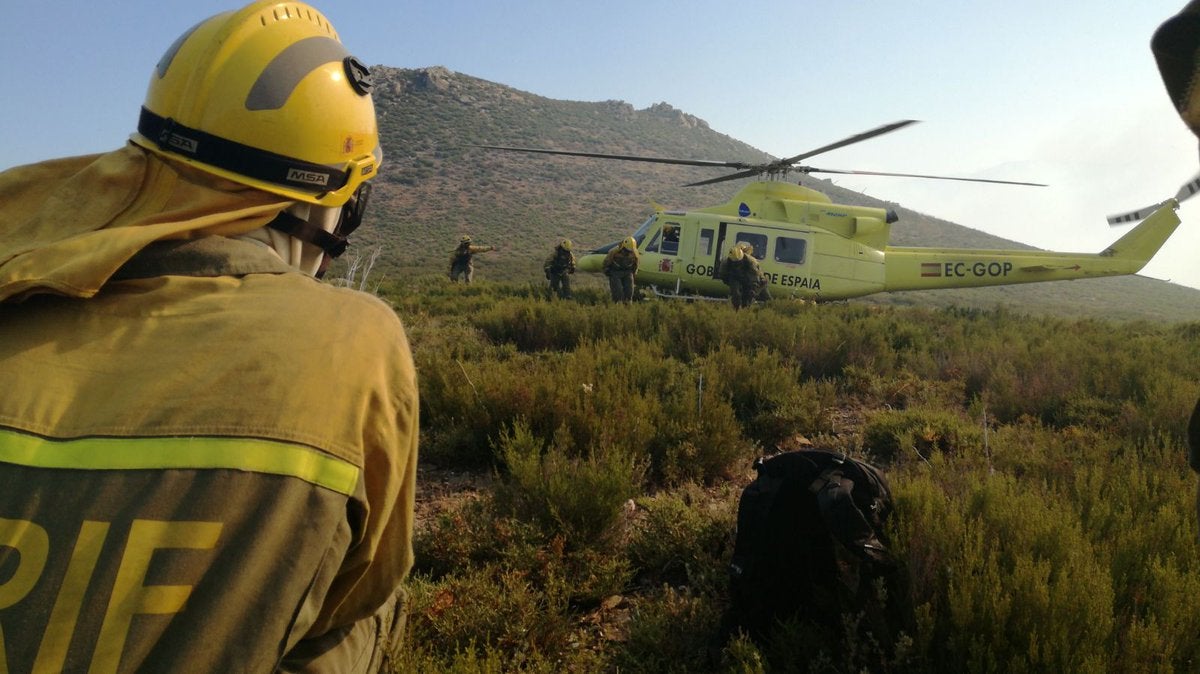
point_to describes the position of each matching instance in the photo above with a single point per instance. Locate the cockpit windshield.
(640, 234)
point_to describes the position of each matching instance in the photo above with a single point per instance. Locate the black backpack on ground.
(810, 544)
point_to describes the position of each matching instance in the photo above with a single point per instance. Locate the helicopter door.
(720, 246)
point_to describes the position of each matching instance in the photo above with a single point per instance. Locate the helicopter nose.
(590, 263)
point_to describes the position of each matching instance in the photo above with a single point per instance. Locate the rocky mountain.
(435, 186)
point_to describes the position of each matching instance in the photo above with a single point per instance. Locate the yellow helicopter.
(812, 248)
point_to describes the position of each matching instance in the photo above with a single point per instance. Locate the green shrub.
(742, 656)
(556, 326)
(472, 533)
(684, 538)
(903, 389)
(1044, 510)
(1010, 582)
(917, 433)
(579, 498)
(670, 631)
(486, 607)
(766, 394)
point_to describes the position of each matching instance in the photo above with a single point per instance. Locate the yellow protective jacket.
(561, 261)
(461, 256)
(207, 460)
(745, 271)
(620, 261)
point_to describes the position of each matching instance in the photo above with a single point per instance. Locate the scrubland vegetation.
(1045, 512)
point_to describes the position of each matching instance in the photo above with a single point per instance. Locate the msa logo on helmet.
(182, 143)
(296, 175)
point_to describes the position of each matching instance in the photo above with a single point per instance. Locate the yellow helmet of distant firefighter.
(268, 97)
(628, 243)
(565, 244)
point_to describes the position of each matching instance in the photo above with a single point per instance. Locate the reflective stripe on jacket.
(200, 469)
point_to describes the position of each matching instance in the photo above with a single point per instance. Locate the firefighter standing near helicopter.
(461, 259)
(761, 290)
(208, 456)
(559, 267)
(620, 266)
(741, 272)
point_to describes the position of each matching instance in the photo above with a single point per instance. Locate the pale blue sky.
(1065, 93)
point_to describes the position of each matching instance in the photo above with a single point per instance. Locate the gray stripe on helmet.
(165, 61)
(283, 74)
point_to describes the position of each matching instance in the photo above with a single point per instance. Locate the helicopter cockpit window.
(640, 234)
(652, 247)
(758, 241)
(790, 250)
(670, 240)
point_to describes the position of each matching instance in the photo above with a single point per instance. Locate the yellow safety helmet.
(566, 244)
(266, 96)
(628, 243)
(736, 253)
(465, 238)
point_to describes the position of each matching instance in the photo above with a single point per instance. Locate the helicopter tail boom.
(930, 268)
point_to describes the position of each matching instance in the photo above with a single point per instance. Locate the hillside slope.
(435, 187)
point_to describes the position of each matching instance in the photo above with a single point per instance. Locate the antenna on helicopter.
(772, 169)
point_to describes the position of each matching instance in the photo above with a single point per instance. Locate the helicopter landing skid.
(676, 295)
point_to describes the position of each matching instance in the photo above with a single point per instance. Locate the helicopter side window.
(790, 250)
(704, 243)
(758, 241)
(670, 241)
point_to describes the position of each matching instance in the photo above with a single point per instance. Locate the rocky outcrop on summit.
(669, 112)
(436, 78)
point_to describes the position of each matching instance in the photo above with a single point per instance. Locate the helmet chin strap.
(304, 223)
(306, 231)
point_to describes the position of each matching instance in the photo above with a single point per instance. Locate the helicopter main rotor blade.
(732, 176)
(1189, 190)
(809, 169)
(624, 157)
(886, 128)
(774, 168)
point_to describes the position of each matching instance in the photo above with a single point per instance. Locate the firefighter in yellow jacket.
(462, 259)
(745, 278)
(620, 266)
(559, 267)
(207, 456)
